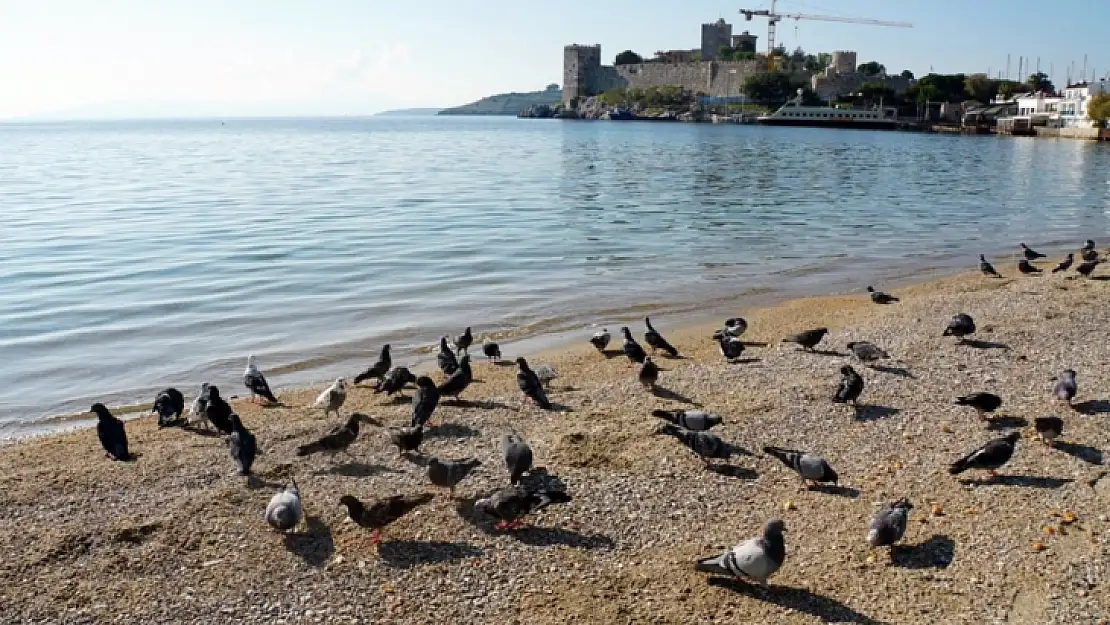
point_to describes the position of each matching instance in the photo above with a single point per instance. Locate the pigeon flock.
(755, 559)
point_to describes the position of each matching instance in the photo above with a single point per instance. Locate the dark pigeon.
(335, 441)
(987, 268)
(219, 412)
(379, 369)
(1026, 268)
(888, 526)
(529, 384)
(648, 374)
(256, 383)
(1087, 268)
(1064, 264)
(851, 386)
(1088, 252)
(517, 456)
(513, 503)
(631, 348)
(881, 298)
(382, 512)
(1048, 428)
(810, 467)
(457, 382)
(983, 403)
(109, 429)
(600, 340)
(395, 381)
(424, 401)
(1030, 254)
(730, 346)
(446, 359)
(1066, 388)
(169, 406)
(705, 444)
(989, 457)
(656, 340)
(407, 439)
(491, 350)
(960, 326)
(448, 473)
(866, 351)
(241, 445)
(808, 339)
(464, 341)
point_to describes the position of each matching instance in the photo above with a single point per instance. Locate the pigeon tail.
(713, 565)
(309, 449)
(786, 456)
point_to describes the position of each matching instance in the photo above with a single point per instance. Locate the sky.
(176, 58)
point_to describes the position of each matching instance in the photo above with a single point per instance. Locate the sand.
(175, 537)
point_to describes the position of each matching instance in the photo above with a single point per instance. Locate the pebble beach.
(177, 537)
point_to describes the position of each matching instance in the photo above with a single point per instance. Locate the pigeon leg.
(501, 525)
(992, 473)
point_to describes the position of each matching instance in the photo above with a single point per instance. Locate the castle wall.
(710, 78)
(831, 86)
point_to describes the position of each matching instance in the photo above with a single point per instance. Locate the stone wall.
(842, 84)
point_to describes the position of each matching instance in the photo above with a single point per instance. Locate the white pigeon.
(283, 513)
(256, 383)
(198, 413)
(545, 374)
(332, 397)
(756, 558)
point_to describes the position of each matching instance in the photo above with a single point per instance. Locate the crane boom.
(773, 18)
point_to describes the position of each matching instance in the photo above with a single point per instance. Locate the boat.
(794, 113)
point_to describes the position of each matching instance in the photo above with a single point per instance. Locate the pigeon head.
(647, 322)
(354, 506)
(982, 258)
(443, 342)
(250, 361)
(385, 350)
(1012, 437)
(484, 505)
(1089, 245)
(626, 332)
(870, 289)
(100, 411)
(774, 527)
(902, 503)
(340, 383)
(1024, 246)
(847, 370)
(1068, 373)
(425, 382)
(522, 363)
(213, 391)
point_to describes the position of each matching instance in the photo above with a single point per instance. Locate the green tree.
(628, 57)
(876, 91)
(823, 60)
(944, 87)
(907, 74)
(812, 63)
(1040, 82)
(871, 68)
(769, 87)
(927, 93)
(1098, 109)
(614, 97)
(980, 87)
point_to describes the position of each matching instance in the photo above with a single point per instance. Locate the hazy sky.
(122, 58)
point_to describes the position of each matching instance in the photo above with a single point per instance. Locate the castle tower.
(579, 62)
(713, 36)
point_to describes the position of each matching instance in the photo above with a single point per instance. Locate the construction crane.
(774, 18)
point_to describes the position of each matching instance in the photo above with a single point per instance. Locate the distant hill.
(508, 103)
(409, 112)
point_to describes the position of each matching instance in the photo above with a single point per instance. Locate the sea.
(136, 255)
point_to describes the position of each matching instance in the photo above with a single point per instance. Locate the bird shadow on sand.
(530, 534)
(733, 471)
(1093, 406)
(1086, 453)
(873, 412)
(484, 404)
(1025, 481)
(612, 353)
(978, 344)
(743, 361)
(314, 545)
(406, 554)
(935, 553)
(504, 363)
(398, 399)
(254, 482)
(450, 430)
(826, 609)
(1100, 278)
(666, 393)
(538, 478)
(834, 489)
(357, 469)
(754, 343)
(822, 352)
(201, 431)
(901, 372)
(1006, 423)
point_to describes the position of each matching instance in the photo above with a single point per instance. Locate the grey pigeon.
(395, 381)
(648, 373)
(756, 558)
(546, 374)
(379, 369)
(448, 473)
(810, 467)
(808, 339)
(881, 298)
(407, 439)
(424, 401)
(987, 268)
(382, 512)
(464, 341)
(517, 455)
(1087, 268)
(446, 358)
(867, 352)
(511, 504)
(256, 383)
(851, 386)
(1064, 264)
(529, 384)
(198, 413)
(457, 382)
(960, 326)
(1048, 429)
(632, 350)
(694, 420)
(241, 445)
(730, 346)
(983, 403)
(332, 398)
(990, 457)
(491, 350)
(889, 524)
(168, 405)
(600, 340)
(656, 340)
(337, 440)
(109, 429)
(1027, 268)
(1066, 388)
(284, 510)
(705, 444)
(1030, 253)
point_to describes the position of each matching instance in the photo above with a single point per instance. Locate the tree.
(1098, 109)
(945, 87)
(876, 91)
(613, 97)
(871, 68)
(1040, 82)
(769, 87)
(907, 74)
(980, 87)
(823, 59)
(628, 57)
(927, 93)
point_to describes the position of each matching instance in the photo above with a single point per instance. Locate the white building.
(1039, 109)
(1073, 108)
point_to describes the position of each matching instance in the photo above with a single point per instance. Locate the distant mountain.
(508, 103)
(409, 112)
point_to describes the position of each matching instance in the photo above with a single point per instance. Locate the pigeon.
(656, 340)
(198, 412)
(889, 524)
(1088, 252)
(808, 339)
(218, 412)
(446, 358)
(851, 386)
(730, 346)
(989, 457)
(631, 348)
(332, 397)
(987, 268)
(241, 445)
(1087, 268)
(168, 405)
(382, 512)
(424, 401)
(867, 352)
(600, 340)
(529, 384)
(448, 473)
(491, 350)
(705, 444)
(256, 383)
(395, 381)
(284, 511)
(513, 503)
(1030, 254)
(960, 326)
(463, 342)
(517, 455)
(735, 326)
(810, 467)
(1026, 268)
(336, 440)
(110, 431)
(693, 420)
(546, 374)
(881, 298)
(379, 369)
(755, 558)
(1066, 388)
(407, 439)
(648, 374)
(1064, 264)
(457, 382)
(983, 403)
(1048, 428)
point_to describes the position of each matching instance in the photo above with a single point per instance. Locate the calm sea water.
(135, 255)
